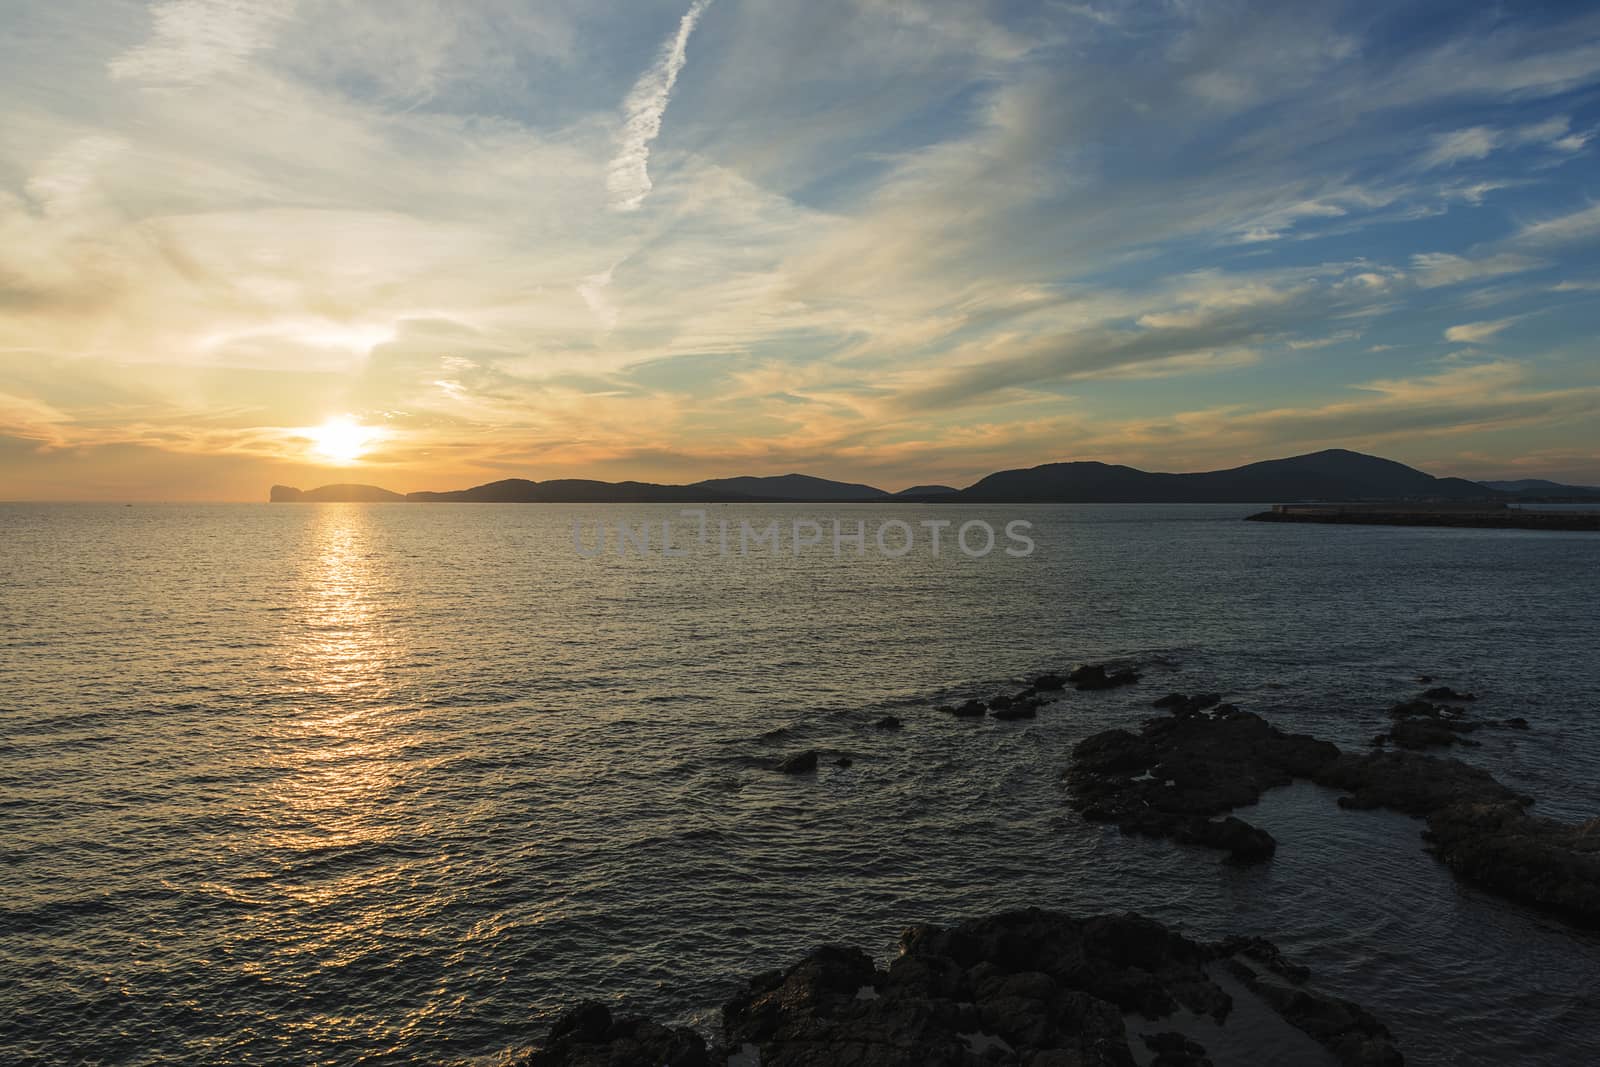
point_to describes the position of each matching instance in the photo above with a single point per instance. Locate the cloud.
(910, 232)
(1474, 143)
(1472, 333)
(593, 291)
(197, 39)
(1435, 269)
(1209, 321)
(1562, 229)
(628, 176)
(1478, 142)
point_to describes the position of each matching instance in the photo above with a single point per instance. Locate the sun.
(341, 439)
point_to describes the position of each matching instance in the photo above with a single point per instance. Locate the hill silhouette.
(1335, 474)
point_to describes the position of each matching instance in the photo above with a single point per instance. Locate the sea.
(398, 783)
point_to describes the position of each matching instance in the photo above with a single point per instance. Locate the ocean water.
(337, 784)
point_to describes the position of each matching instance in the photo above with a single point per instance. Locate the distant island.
(1335, 474)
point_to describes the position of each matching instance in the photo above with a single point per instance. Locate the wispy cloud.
(1461, 145)
(196, 39)
(911, 237)
(1479, 142)
(1435, 269)
(593, 291)
(1472, 333)
(628, 177)
(1578, 225)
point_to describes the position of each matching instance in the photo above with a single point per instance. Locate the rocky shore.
(1043, 989)
(1032, 988)
(1181, 774)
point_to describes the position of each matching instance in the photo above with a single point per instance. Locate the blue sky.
(896, 241)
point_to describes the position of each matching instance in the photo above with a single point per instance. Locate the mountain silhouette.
(1335, 474)
(792, 487)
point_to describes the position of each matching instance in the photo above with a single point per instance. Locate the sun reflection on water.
(338, 751)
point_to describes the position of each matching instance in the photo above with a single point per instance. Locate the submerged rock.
(1424, 725)
(1180, 702)
(1444, 692)
(1097, 677)
(971, 709)
(1420, 723)
(1020, 708)
(888, 722)
(800, 763)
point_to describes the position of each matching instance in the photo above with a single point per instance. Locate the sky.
(426, 246)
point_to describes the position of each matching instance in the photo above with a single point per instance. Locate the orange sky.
(896, 243)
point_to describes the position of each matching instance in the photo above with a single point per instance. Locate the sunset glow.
(341, 440)
(659, 241)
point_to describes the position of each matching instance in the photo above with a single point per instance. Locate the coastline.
(1031, 987)
(1048, 989)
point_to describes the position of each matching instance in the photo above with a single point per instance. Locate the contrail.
(628, 178)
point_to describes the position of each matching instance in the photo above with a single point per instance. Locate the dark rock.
(588, 1022)
(587, 1036)
(888, 722)
(1169, 779)
(1419, 733)
(1053, 988)
(1096, 677)
(1172, 1049)
(1414, 707)
(1498, 846)
(1048, 682)
(1180, 704)
(1016, 709)
(1410, 783)
(1423, 724)
(1480, 830)
(800, 763)
(1516, 722)
(1444, 692)
(1244, 843)
(844, 761)
(1344, 1028)
(1049, 989)
(972, 709)
(1260, 950)
(999, 703)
